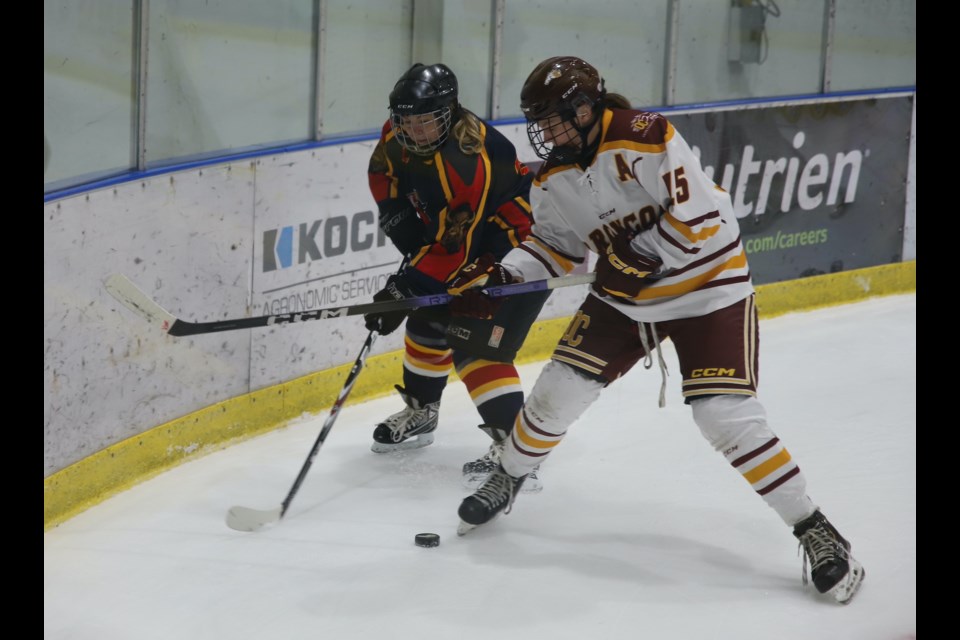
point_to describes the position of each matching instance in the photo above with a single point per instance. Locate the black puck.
(427, 540)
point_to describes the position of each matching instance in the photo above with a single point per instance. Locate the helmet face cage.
(536, 133)
(561, 124)
(423, 105)
(553, 93)
(422, 133)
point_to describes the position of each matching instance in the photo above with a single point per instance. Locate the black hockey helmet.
(558, 86)
(429, 91)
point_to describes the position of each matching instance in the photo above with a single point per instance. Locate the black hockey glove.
(387, 322)
(622, 272)
(485, 271)
(402, 225)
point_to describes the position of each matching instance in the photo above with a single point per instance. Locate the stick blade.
(127, 294)
(246, 519)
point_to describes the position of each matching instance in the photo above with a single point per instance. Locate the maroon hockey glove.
(622, 272)
(485, 271)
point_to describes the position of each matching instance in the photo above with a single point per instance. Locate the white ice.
(641, 531)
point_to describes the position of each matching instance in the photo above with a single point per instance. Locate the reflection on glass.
(89, 103)
(368, 46)
(874, 45)
(763, 49)
(225, 76)
(626, 40)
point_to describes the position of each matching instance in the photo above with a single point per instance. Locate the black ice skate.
(832, 569)
(475, 472)
(410, 428)
(495, 496)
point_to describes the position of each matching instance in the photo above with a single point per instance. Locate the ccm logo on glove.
(629, 270)
(622, 272)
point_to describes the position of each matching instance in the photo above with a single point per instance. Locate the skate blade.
(464, 528)
(844, 591)
(417, 442)
(531, 485)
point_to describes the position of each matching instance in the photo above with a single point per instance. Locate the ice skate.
(495, 496)
(409, 428)
(475, 472)
(832, 569)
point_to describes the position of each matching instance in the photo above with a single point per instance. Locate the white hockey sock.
(737, 427)
(559, 398)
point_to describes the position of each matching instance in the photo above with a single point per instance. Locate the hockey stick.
(127, 293)
(247, 519)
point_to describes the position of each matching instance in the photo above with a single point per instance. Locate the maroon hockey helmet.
(558, 86)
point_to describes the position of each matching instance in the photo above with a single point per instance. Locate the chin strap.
(589, 150)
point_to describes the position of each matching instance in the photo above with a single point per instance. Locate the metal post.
(319, 62)
(826, 54)
(497, 56)
(670, 56)
(141, 9)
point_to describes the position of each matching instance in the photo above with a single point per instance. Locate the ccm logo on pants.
(712, 372)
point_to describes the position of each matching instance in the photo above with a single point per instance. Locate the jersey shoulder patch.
(643, 127)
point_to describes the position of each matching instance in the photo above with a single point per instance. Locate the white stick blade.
(127, 293)
(245, 519)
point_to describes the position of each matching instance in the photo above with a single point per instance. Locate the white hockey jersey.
(644, 177)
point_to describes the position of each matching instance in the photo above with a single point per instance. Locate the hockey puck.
(426, 540)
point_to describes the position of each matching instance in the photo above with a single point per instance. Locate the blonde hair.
(467, 133)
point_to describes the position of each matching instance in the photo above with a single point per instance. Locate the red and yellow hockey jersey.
(470, 204)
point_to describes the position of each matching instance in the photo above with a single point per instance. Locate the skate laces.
(819, 547)
(409, 419)
(497, 489)
(494, 452)
(399, 423)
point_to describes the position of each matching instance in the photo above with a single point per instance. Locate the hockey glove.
(387, 322)
(485, 271)
(402, 225)
(622, 272)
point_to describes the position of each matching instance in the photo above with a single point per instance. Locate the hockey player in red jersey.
(449, 190)
(624, 184)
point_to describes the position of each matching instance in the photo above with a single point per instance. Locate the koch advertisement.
(338, 241)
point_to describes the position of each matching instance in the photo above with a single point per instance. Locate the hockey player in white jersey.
(624, 184)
